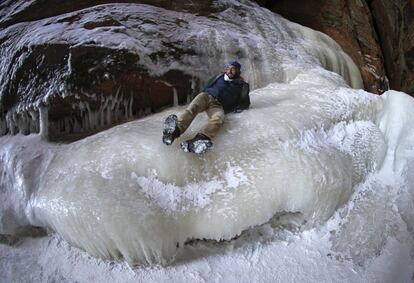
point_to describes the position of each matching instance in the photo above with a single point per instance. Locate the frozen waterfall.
(304, 146)
(270, 48)
(296, 150)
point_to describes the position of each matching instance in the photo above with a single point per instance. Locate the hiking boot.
(199, 144)
(171, 130)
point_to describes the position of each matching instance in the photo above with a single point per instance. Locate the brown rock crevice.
(349, 23)
(377, 34)
(394, 23)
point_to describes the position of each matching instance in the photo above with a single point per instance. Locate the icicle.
(95, 120)
(44, 122)
(34, 122)
(104, 104)
(194, 89)
(11, 122)
(90, 114)
(131, 113)
(108, 111)
(175, 93)
(125, 104)
(3, 126)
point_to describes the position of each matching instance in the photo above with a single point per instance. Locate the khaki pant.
(203, 102)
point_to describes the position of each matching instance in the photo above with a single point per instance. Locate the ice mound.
(124, 194)
(380, 213)
(302, 147)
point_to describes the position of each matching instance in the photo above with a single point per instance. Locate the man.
(224, 93)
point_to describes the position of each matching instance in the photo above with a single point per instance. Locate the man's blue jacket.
(233, 95)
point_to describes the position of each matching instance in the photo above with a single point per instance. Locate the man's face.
(232, 72)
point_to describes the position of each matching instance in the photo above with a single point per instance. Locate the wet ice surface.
(270, 252)
(309, 169)
(356, 201)
(332, 163)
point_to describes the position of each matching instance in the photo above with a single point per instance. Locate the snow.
(312, 184)
(358, 227)
(154, 191)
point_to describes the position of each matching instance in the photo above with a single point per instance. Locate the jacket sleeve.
(244, 101)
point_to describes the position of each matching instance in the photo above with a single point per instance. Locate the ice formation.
(267, 45)
(303, 147)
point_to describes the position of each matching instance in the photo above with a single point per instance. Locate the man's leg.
(215, 113)
(202, 141)
(199, 104)
(174, 126)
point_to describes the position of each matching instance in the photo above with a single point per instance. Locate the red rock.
(394, 21)
(349, 23)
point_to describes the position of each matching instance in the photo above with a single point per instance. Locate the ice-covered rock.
(122, 193)
(103, 65)
(305, 144)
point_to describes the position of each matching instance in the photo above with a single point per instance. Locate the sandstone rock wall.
(394, 23)
(349, 22)
(377, 34)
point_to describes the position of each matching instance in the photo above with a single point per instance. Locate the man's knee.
(217, 119)
(199, 103)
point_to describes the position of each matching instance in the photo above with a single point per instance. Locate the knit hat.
(235, 64)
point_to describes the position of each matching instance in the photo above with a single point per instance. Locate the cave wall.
(377, 34)
(82, 87)
(394, 23)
